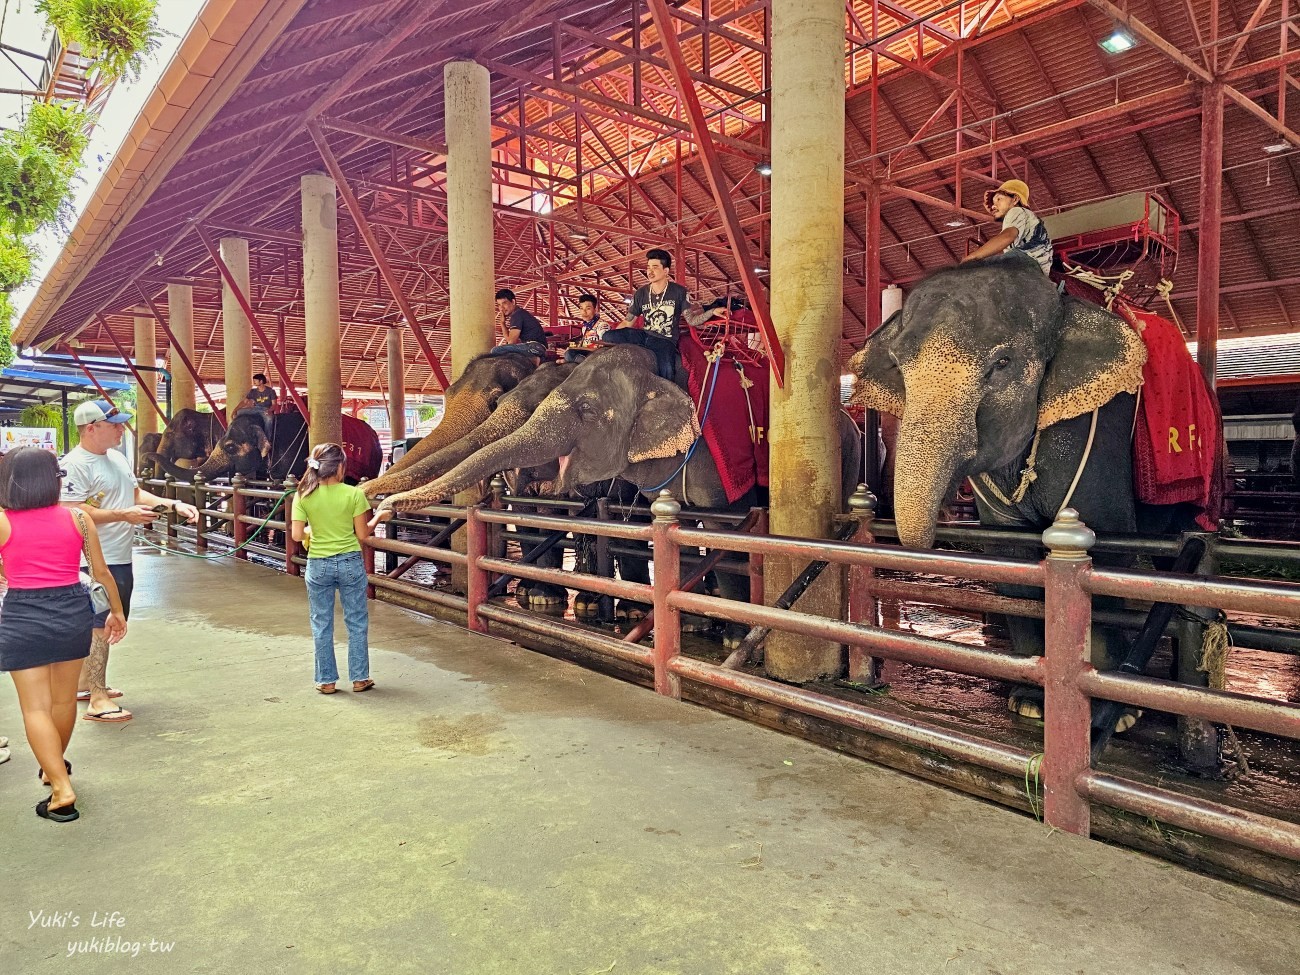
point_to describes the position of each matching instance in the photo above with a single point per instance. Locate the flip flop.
(111, 716)
(64, 814)
(359, 686)
(326, 688)
(40, 772)
(4, 755)
(84, 696)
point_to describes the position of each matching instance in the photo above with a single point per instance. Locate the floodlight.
(1118, 42)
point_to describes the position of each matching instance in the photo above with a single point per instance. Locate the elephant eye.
(1002, 362)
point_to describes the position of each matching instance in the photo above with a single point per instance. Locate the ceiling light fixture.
(1118, 42)
(955, 222)
(1277, 147)
(759, 269)
(578, 235)
(764, 168)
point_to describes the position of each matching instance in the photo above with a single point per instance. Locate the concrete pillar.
(470, 268)
(147, 419)
(236, 333)
(180, 314)
(807, 308)
(320, 288)
(1209, 238)
(396, 386)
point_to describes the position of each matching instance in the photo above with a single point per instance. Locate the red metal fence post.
(863, 669)
(756, 558)
(667, 578)
(290, 546)
(238, 506)
(1067, 737)
(476, 578)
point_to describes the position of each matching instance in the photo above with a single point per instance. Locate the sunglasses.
(112, 412)
(61, 472)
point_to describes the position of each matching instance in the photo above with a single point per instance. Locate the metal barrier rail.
(1070, 683)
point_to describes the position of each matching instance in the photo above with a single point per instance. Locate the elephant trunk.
(463, 413)
(217, 465)
(936, 442)
(547, 435)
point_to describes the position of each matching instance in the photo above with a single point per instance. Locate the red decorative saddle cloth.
(1177, 447)
(735, 427)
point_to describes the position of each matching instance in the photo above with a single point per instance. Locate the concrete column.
(1209, 237)
(396, 386)
(180, 314)
(891, 300)
(147, 419)
(236, 333)
(320, 288)
(470, 271)
(807, 308)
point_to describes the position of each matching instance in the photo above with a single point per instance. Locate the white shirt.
(103, 481)
(1031, 236)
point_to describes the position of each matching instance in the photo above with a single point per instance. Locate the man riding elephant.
(1028, 393)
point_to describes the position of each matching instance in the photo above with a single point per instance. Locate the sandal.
(40, 772)
(64, 814)
(326, 688)
(358, 686)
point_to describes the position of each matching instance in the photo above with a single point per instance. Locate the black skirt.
(44, 626)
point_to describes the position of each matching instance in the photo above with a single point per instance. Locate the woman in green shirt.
(335, 515)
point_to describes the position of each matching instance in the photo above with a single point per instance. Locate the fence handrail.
(1245, 595)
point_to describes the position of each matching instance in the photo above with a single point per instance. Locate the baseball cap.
(1013, 187)
(99, 409)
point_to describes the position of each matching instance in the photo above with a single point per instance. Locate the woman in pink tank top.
(46, 619)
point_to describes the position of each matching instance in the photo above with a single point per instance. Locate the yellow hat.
(1015, 187)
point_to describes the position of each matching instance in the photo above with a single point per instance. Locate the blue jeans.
(347, 574)
(665, 350)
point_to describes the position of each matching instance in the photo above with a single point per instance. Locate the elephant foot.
(1028, 703)
(734, 635)
(586, 607)
(548, 599)
(696, 624)
(629, 612)
(522, 594)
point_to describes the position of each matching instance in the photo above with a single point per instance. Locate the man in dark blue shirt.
(523, 331)
(260, 400)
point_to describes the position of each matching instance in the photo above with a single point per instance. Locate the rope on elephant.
(224, 555)
(1109, 285)
(1216, 644)
(712, 382)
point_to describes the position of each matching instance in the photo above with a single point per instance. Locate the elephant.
(614, 418)
(246, 449)
(469, 401)
(1000, 378)
(189, 437)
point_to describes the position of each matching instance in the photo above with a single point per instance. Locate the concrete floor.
(487, 809)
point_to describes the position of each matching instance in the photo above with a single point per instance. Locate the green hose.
(224, 555)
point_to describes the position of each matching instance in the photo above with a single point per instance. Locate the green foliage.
(15, 262)
(118, 34)
(63, 129)
(426, 412)
(33, 183)
(6, 330)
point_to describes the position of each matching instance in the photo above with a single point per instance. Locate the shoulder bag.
(99, 601)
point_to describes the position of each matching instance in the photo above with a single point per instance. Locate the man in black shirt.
(260, 399)
(660, 305)
(593, 329)
(523, 331)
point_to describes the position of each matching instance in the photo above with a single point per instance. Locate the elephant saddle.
(730, 395)
(1177, 445)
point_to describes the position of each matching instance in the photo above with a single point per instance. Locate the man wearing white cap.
(1021, 228)
(98, 480)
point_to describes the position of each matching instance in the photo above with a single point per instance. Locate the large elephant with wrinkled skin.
(1029, 393)
(187, 440)
(470, 400)
(613, 417)
(246, 448)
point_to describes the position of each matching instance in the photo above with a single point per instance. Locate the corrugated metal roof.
(260, 65)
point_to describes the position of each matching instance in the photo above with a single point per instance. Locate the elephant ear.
(879, 384)
(1099, 357)
(665, 423)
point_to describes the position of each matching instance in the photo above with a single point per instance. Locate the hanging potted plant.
(33, 183)
(118, 34)
(15, 262)
(63, 129)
